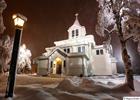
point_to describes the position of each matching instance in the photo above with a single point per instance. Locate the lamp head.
(19, 20)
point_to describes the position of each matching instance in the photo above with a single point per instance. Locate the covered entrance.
(57, 66)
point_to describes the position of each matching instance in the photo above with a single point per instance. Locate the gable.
(57, 52)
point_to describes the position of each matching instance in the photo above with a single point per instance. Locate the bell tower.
(76, 30)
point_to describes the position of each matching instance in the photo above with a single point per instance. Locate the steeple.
(76, 30)
(76, 22)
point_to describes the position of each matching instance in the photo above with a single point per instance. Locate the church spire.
(76, 30)
(76, 22)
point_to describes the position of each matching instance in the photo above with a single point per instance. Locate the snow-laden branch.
(128, 12)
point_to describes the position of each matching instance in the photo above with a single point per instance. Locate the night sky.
(48, 21)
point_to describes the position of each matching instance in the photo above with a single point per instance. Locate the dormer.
(76, 30)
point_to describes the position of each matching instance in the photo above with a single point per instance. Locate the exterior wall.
(102, 64)
(90, 56)
(114, 69)
(42, 67)
(86, 68)
(75, 66)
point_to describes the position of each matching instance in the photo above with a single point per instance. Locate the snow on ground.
(70, 88)
(115, 81)
(136, 77)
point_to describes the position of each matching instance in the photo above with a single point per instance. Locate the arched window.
(73, 33)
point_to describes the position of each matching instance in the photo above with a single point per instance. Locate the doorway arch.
(57, 66)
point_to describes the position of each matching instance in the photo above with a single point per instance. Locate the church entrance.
(57, 66)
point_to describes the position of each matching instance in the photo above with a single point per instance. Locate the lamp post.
(19, 21)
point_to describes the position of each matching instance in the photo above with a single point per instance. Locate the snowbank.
(73, 88)
(87, 87)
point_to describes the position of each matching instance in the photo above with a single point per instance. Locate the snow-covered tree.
(24, 59)
(121, 17)
(5, 52)
(5, 42)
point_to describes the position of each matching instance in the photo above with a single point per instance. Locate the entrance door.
(57, 68)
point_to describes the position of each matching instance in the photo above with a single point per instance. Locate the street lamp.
(19, 21)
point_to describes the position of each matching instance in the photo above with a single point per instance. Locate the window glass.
(79, 49)
(83, 49)
(68, 50)
(64, 63)
(97, 52)
(101, 52)
(77, 32)
(65, 50)
(73, 33)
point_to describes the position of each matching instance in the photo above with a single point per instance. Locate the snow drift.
(74, 88)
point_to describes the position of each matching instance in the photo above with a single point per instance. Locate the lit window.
(97, 52)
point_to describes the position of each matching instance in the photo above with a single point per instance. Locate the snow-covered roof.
(98, 46)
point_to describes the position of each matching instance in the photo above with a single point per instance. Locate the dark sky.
(48, 21)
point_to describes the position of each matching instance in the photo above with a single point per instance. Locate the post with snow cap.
(19, 21)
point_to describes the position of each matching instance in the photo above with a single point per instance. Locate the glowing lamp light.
(19, 20)
(58, 59)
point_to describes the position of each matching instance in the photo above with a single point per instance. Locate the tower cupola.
(76, 30)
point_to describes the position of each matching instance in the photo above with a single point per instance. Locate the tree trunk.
(128, 66)
(125, 56)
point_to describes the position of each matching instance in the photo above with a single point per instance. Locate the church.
(77, 56)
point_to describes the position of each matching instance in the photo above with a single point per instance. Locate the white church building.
(78, 55)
